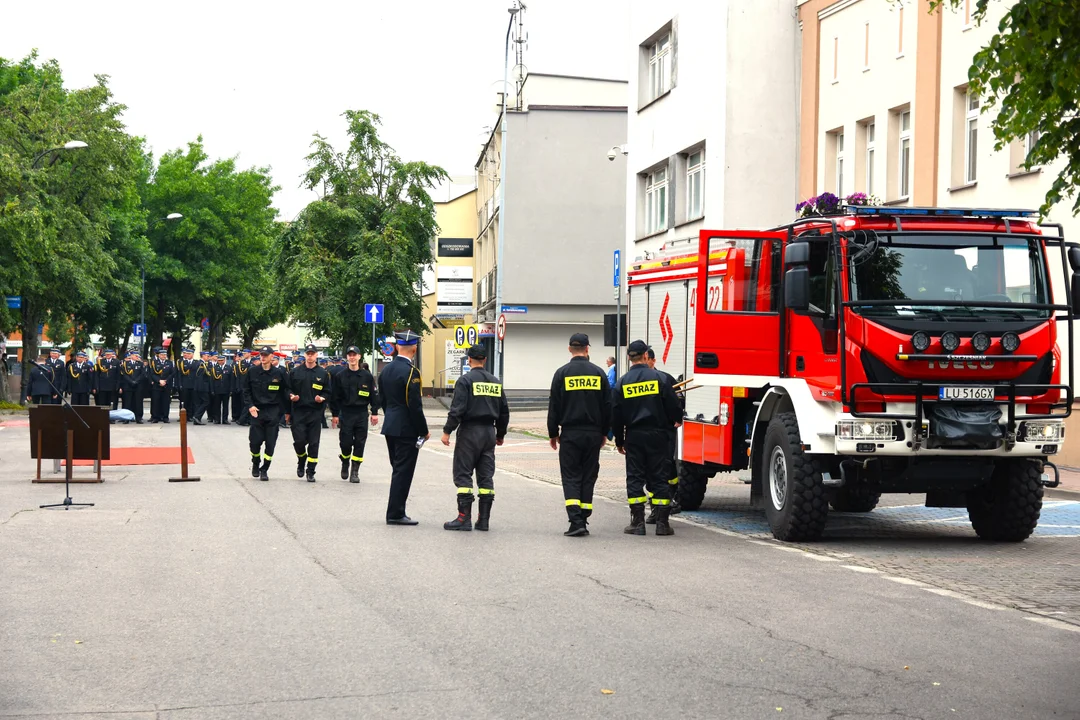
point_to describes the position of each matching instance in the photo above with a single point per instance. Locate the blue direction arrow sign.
(373, 313)
(618, 259)
(14, 302)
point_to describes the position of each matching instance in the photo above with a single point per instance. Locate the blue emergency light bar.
(940, 212)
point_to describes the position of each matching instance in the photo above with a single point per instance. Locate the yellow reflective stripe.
(586, 506)
(300, 455)
(486, 491)
(464, 491)
(255, 454)
(363, 393)
(573, 502)
(343, 456)
(674, 481)
(267, 458)
(648, 494)
(658, 501)
(315, 386)
(357, 459)
(312, 459)
(637, 500)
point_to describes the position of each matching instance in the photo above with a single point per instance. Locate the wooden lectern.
(48, 442)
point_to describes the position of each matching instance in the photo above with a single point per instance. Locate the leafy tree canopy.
(1030, 70)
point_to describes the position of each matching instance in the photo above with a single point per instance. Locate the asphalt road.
(232, 598)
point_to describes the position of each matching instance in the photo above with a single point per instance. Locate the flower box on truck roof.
(871, 350)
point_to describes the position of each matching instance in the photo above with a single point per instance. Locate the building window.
(1030, 141)
(866, 48)
(870, 133)
(840, 164)
(695, 184)
(835, 59)
(904, 164)
(656, 193)
(900, 31)
(660, 66)
(971, 137)
(967, 14)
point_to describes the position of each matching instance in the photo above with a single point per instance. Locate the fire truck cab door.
(738, 320)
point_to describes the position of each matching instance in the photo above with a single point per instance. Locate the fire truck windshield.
(960, 271)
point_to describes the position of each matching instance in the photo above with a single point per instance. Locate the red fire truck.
(874, 350)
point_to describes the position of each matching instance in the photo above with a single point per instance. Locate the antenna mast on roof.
(521, 42)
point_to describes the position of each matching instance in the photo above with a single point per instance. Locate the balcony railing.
(485, 289)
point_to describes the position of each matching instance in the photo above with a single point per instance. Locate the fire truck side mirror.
(1074, 259)
(1076, 295)
(797, 277)
(797, 253)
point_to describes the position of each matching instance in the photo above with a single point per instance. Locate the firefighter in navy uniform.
(672, 471)
(131, 384)
(80, 379)
(579, 415)
(241, 364)
(106, 379)
(310, 385)
(266, 397)
(480, 415)
(404, 425)
(201, 393)
(60, 373)
(161, 373)
(644, 408)
(352, 394)
(187, 370)
(223, 391)
(324, 363)
(37, 389)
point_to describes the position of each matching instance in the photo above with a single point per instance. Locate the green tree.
(68, 219)
(365, 240)
(213, 262)
(1030, 70)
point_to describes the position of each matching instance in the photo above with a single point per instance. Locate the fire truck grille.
(878, 372)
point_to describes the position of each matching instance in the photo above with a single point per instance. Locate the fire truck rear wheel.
(693, 481)
(796, 505)
(1007, 508)
(855, 499)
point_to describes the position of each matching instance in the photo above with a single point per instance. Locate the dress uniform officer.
(106, 379)
(310, 392)
(161, 373)
(404, 427)
(202, 387)
(579, 416)
(266, 396)
(672, 471)
(59, 372)
(352, 394)
(187, 370)
(644, 407)
(80, 379)
(40, 383)
(480, 415)
(241, 363)
(131, 384)
(222, 379)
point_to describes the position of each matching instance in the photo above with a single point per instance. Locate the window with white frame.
(971, 137)
(660, 66)
(840, 164)
(1030, 141)
(870, 138)
(695, 184)
(656, 194)
(904, 164)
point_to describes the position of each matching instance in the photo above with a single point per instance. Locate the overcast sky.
(256, 79)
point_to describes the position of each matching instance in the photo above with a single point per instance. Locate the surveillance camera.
(611, 154)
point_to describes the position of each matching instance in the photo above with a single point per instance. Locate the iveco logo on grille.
(963, 362)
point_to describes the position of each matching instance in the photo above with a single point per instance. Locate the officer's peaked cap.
(407, 337)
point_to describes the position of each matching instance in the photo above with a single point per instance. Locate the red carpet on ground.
(142, 456)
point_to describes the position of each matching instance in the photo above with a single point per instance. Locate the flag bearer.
(480, 415)
(353, 393)
(266, 398)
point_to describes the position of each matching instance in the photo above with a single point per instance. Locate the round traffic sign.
(472, 335)
(500, 327)
(459, 335)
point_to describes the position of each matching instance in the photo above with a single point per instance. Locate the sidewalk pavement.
(1070, 480)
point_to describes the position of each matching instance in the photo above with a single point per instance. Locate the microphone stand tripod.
(69, 461)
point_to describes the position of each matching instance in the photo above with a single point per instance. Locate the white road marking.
(1051, 622)
(904, 580)
(964, 598)
(857, 568)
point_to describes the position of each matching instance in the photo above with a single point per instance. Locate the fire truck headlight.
(1010, 342)
(920, 341)
(1044, 431)
(981, 342)
(866, 430)
(950, 341)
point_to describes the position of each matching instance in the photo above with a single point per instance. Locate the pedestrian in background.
(404, 427)
(266, 397)
(644, 407)
(611, 383)
(579, 415)
(353, 393)
(479, 413)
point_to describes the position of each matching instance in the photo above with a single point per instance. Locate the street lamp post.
(142, 308)
(69, 145)
(496, 356)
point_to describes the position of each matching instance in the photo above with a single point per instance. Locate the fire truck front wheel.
(1007, 508)
(796, 504)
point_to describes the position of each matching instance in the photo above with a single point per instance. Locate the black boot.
(301, 463)
(662, 526)
(577, 522)
(676, 508)
(311, 472)
(637, 520)
(484, 514)
(653, 512)
(463, 521)
(266, 467)
(255, 466)
(354, 474)
(344, 468)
